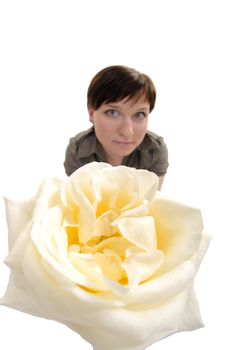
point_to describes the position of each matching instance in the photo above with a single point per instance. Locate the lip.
(123, 142)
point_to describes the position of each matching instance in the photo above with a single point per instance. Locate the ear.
(91, 114)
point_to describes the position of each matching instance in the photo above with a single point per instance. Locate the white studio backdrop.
(49, 52)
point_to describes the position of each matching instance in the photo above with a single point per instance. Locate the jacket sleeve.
(160, 159)
(71, 161)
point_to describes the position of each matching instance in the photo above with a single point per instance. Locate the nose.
(126, 128)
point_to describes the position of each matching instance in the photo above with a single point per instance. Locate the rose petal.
(139, 210)
(145, 186)
(18, 214)
(16, 254)
(87, 181)
(47, 196)
(141, 266)
(133, 328)
(54, 260)
(87, 265)
(102, 225)
(111, 264)
(117, 188)
(178, 229)
(139, 230)
(85, 215)
(196, 259)
(118, 244)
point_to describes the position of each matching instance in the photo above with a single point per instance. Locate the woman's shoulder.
(84, 143)
(82, 136)
(155, 153)
(152, 141)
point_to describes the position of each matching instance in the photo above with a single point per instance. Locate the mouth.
(126, 143)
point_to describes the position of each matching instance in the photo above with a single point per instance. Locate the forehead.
(130, 102)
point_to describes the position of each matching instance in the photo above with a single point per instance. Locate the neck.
(114, 161)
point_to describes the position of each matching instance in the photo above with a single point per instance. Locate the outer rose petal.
(131, 329)
(17, 214)
(179, 235)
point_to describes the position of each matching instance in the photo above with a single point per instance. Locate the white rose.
(106, 255)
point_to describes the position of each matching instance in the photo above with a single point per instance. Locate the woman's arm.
(161, 180)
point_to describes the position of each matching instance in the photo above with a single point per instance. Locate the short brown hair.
(115, 83)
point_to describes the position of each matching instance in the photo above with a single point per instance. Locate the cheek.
(140, 131)
(104, 131)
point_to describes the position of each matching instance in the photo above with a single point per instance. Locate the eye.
(140, 116)
(113, 113)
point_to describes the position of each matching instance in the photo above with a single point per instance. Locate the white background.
(49, 52)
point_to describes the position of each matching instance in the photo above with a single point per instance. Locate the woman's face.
(120, 126)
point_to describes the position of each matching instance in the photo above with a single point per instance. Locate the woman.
(119, 101)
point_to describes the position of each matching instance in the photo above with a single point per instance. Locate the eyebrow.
(117, 106)
(113, 106)
(143, 109)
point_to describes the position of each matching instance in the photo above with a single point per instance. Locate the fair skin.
(120, 127)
